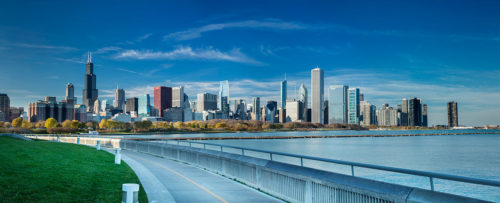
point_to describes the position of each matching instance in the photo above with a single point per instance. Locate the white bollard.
(130, 193)
(77, 140)
(58, 139)
(118, 156)
(98, 145)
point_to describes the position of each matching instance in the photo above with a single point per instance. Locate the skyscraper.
(270, 111)
(132, 105)
(256, 108)
(415, 112)
(90, 89)
(178, 97)
(283, 93)
(119, 98)
(303, 99)
(144, 106)
(337, 107)
(223, 103)
(353, 105)
(4, 107)
(317, 95)
(424, 115)
(452, 114)
(404, 113)
(369, 113)
(206, 102)
(162, 99)
(70, 93)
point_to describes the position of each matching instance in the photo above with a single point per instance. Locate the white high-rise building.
(317, 95)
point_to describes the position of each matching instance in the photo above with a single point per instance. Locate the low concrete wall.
(289, 182)
(15, 136)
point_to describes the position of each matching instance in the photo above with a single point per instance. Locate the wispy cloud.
(138, 40)
(40, 46)
(72, 60)
(186, 52)
(148, 73)
(107, 49)
(264, 24)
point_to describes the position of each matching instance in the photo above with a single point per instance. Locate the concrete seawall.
(289, 182)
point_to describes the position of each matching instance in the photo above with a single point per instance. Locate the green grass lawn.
(59, 172)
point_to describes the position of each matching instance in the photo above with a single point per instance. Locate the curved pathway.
(169, 181)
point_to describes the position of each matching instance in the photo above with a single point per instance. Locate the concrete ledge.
(15, 136)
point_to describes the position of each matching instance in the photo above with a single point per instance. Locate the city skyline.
(137, 63)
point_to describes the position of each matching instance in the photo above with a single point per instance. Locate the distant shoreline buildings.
(341, 105)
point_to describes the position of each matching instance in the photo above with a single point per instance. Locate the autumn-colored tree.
(26, 125)
(7, 125)
(103, 124)
(220, 125)
(50, 123)
(40, 124)
(17, 122)
(75, 124)
(66, 124)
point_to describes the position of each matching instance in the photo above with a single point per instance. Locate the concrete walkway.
(168, 181)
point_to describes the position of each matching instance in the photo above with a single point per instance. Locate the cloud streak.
(186, 52)
(253, 24)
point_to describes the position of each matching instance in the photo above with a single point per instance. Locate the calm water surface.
(465, 155)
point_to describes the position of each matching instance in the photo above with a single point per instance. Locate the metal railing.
(430, 175)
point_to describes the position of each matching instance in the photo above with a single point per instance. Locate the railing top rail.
(370, 166)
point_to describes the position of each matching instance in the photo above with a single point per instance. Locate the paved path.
(168, 181)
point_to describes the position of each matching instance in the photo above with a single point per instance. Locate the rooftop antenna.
(285, 75)
(88, 56)
(90, 60)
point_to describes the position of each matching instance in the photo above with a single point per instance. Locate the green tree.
(17, 122)
(50, 123)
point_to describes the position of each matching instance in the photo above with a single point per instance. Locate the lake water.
(475, 156)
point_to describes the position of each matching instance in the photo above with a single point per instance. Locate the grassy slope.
(60, 172)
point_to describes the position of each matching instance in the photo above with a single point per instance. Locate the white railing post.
(130, 193)
(98, 145)
(118, 156)
(58, 139)
(308, 193)
(78, 140)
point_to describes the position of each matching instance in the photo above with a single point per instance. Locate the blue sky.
(436, 50)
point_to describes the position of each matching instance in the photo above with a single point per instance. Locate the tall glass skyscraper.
(283, 93)
(303, 99)
(223, 102)
(353, 105)
(144, 106)
(256, 108)
(337, 104)
(317, 96)
(90, 92)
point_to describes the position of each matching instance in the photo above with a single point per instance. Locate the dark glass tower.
(90, 90)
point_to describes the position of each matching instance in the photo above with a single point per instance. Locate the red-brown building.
(163, 99)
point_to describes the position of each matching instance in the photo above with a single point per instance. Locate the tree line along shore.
(52, 126)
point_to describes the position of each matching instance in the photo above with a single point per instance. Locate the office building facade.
(119, 101)
(353, 105)
(415, 112)
(206, 102)
(90, 92)
(223, 101)
(337, 104)
(452, 114)
(317, 95)
(162, 99)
